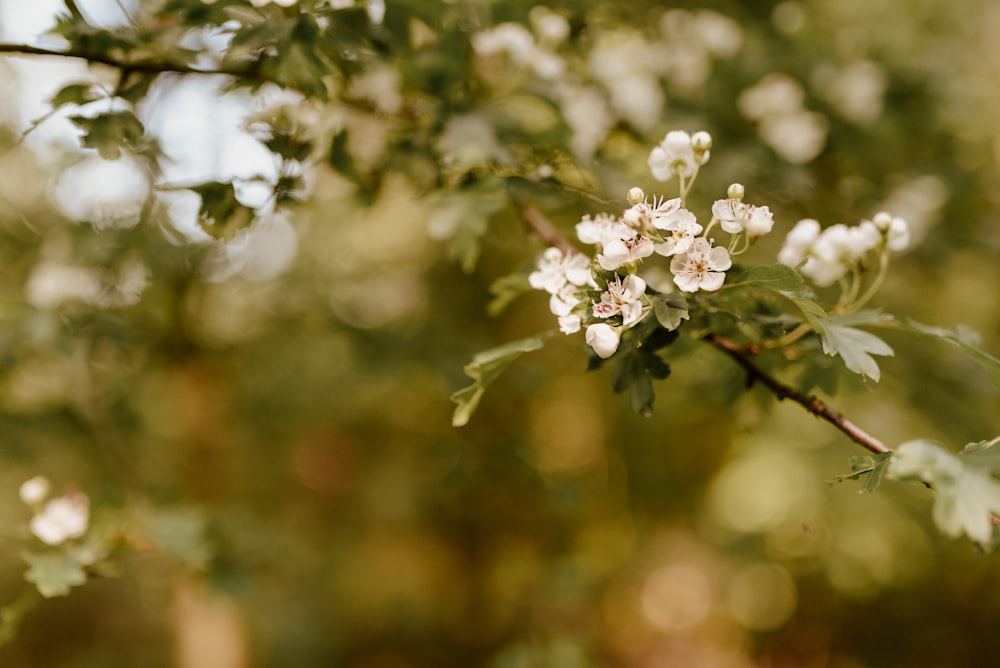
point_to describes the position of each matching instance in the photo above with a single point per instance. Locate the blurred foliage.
(267, 415)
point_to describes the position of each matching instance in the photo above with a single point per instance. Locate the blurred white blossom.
(62, 518)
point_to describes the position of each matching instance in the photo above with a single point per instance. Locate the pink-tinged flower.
(603, 338)
(626, 247)
(643, 216)
(701, 268)
(622, 298)
(62, 518)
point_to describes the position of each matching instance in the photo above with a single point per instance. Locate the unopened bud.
(736, 192)
(636, 195)
(701, 142)
(882, 220)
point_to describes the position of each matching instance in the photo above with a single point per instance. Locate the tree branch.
(814, 405)
(546, 231)
(147, 66)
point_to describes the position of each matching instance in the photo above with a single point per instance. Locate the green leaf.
(485, 368)
(812, 311)
(670, 309)
(463, 218)
(53, 573)
(113, 132)
(78, 93)
(181, 532)
(985, 454)
(505, 290)
(777, 277)
(855, 347)
(872, 466)
(964, 338)
(221, 214)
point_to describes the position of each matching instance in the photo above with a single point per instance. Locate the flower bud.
(603, 338)
(636, 195)
(735, 192)
(34, 491)
(701, 142)
(882, 220)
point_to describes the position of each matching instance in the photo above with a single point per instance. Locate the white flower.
(597, 230)
(732, 214)
(563, 301)
(683, 228)
(555, 270)
(759, 223)
(62, 518)
(35, 490)
(798, 242)
(675, 155)
(645, 215)
(603, 338)
(899, 235)
(736, 216)
(830, 256)
(569, 324)
(622, 298)
(701, 268)
(624, 247)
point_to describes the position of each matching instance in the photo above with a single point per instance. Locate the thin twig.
(546, 230)
(811, 403)
(147, 66)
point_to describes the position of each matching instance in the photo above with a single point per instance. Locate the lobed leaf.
(777, 277)
(53, 573)
(485, 368)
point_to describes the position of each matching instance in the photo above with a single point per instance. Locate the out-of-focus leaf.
(113, 132)
(505, 290)
(485, 368)
(778, 277)
(53, 573)
(964, 338)
(76, 93)
(181, 531)
(873, 466)
(984, 453)
(221, 214)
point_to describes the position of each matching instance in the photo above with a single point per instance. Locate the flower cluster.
(58, 519)
(826, 256)
(606, 292)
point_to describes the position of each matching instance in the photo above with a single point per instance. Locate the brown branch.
(546, 230)
(152, 67)
(814, 405)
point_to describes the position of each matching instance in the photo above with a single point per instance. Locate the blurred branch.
(147, 66)
(742, 356)
(546, 231)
